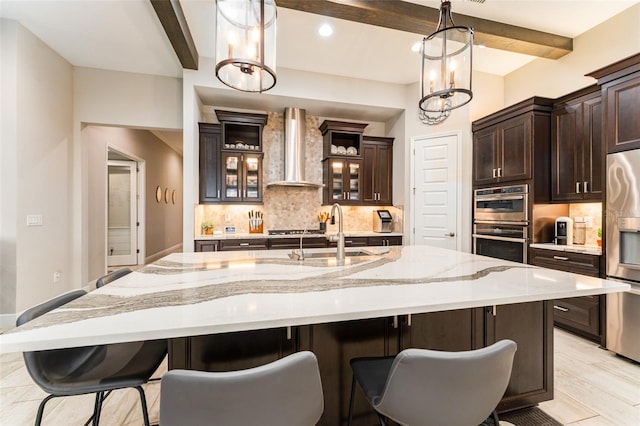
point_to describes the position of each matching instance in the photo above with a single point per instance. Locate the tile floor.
(593, 387)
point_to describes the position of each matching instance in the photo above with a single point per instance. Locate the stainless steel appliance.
(623, 251)
(564, 231)
(382, 221)
(502, 204)
(501, 222)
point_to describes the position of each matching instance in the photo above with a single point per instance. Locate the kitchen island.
(235, 309)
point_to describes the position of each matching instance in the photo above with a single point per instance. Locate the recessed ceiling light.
(325, 30)
(416, 46)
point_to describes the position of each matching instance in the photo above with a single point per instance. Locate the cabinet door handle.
(494, 173)
(289, 333)
(348, 241)
(585, 186)
(244, 244)
(395, 321)
(218, 193)
(577, 187)
(499, 171)
(409, 320)
(560, 258)
(560, 308)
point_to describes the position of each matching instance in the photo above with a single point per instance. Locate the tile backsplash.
(593, 210)
(290, 207)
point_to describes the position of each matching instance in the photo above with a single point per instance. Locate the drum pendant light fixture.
(246, 44)
(445, 79)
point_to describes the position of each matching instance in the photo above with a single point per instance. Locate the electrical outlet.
(56, 276)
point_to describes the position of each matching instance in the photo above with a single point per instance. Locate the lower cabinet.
(292, 243)
(530, 325)
(334, 345)
(584, 315)
(231, 351)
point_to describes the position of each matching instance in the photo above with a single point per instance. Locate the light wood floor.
(592, 387)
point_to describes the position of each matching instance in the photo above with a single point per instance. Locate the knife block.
(255, 227)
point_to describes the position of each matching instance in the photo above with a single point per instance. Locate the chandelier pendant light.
(445, 78)
(246, 44)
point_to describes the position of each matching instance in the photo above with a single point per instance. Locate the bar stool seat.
(425, 387)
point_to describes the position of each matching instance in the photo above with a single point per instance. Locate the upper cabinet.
(342, 162)
(513, 145)
(577, 147)
(621, 102)
(377, 173)
(210, 141)
(231, 158)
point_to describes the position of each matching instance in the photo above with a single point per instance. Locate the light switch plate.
(34, 220)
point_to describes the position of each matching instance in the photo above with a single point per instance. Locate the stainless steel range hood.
(294, 150)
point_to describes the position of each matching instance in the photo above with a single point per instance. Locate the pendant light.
(246, 44)
(445, 79)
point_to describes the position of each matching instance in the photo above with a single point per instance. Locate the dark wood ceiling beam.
(414, 18)
(175, 25)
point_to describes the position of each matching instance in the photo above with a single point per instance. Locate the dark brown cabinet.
(620, 83)
(530, 325)
(458, 330)
(514, 145)
(581, 315)
(244, 244)
(577, 148)
(294, 243)
(503, 152)
(206, 245)
(242, 177)
(385, 241)
(335, 344)
(377, 173)
(343, 181)
(210, 145)
(232, 351)
(231, 158)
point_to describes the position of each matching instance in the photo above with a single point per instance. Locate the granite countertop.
(187, 294)
(244, 235)
(575, 248)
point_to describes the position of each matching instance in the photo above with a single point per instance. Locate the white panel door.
(122, 242)
(435, 200)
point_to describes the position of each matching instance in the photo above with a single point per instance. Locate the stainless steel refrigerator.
(623, 251)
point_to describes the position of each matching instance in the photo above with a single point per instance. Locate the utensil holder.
(255, 226)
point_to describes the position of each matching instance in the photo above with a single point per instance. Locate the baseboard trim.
(163, 253)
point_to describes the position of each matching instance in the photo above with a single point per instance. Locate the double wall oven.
(501, 222)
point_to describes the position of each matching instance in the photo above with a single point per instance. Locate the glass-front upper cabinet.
(345, 183)
(242, 177)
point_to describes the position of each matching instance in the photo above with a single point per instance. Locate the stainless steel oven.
(501, 222)
(508, 241)
(502, 204)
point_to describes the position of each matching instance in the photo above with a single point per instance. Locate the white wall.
(614, 39)
(117, 99)
(162, 166)
(38, 147)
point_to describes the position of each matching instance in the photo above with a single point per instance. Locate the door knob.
(450, 234)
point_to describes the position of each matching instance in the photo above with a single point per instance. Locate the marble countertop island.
(188, 294)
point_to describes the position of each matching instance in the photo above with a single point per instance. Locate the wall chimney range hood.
(294, 150)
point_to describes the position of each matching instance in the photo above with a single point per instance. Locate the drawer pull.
(560, 308)
(244, 244)
(560, 258)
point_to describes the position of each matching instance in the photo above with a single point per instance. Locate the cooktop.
(295, 231)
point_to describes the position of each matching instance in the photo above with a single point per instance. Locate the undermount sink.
(333, 254)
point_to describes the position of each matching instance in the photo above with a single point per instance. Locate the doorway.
(436, 191)
(123, 211)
